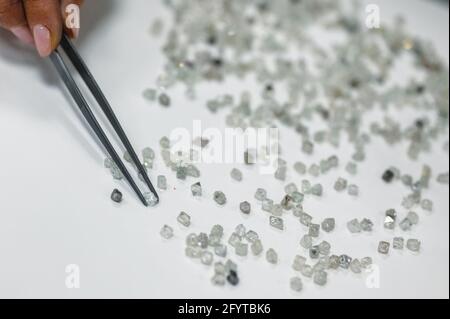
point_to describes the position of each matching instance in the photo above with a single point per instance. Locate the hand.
(38, 22)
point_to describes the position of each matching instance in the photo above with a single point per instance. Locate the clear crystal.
(305, 219)
(307, 147)
(306, 187)
(296, 284)
(366, 225)
(320, 278)
(162, 182)
(413, 218)
(340, 185)
(383, 247)
(352, 168)
(300, 168)
(398, 243)
(280, 173)
(317, 190)
(245, 207)
(219, 268)
(355, 266)
(236, 175)
(166, 232)
(353, 190)
(251, 236)
(328, 224)
(150, 94)
(276, 222)
(241, 249)
(405, 224)
(261, 194)
(220, 250)
(267, 205)
(272, 256)
(196, 189)
(217, 230)
(240, 230)
(234, 239)
(184, 219)
(151, 199)
(306, 242)
(354, 226)
(299, 262)
(334, 262)
(390, 219)
(164, 142)
(314, 170)
(314, 230)
(314, 252)
(307, 271)
(297, 197)
(344, 261)
(256, 248)
(277, 210)
(193, 252)
(290, 188)
(218, 280)
(366, 262)
(203, 240)
(287, 203)
(324, 248)
(427, 205)
(413, 245)
(220, 198)
(207, 258)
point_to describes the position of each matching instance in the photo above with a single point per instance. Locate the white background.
(54, 192)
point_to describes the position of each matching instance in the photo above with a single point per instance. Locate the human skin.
(39, 23)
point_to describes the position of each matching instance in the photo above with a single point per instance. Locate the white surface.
(54, 193)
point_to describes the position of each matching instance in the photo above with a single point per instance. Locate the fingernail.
(42, 40)
(23, 34)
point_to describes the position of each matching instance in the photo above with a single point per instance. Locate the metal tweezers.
(68, 48)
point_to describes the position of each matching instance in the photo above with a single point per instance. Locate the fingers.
(44, 20)
(12, 17)
(70, 10)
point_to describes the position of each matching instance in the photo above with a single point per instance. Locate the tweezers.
(56, 57)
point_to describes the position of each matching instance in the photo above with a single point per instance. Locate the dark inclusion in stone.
(388, 176)
(116, 196)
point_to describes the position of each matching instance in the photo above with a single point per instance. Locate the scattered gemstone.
(220, 250)
(306, 242)
(162, 182)
(353, 190)
(196, 189)
(427, 205)
(383, 247)
(355, 266)
(443, 178)
(151, 199)
(220, 198)
(261, 194)
(272, 256)
(340, 185)
(344, 261)
(354, 226)
(276, 222)
(164, 100)
(184, 219)
(329, 224)
(299, 262)
(320, 278)
(116, 196)
(317, 190)
(166, 232)
(207, 258)
(290, 188)
(366, 225)
(245, 208)
(324, 248)
(398, 243)
(300, 168)
(388, 176)
(233, 278)
(296, 284)
(236, 175)
(314, 230)
(413, 245)
(366, 262)
(314, 252)
(251, 236)
(334, 262)
(405, 224)
(390, 219)
(305, 219)
(241, 249)
(256, 248)
(307, 271)
(267, 205)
